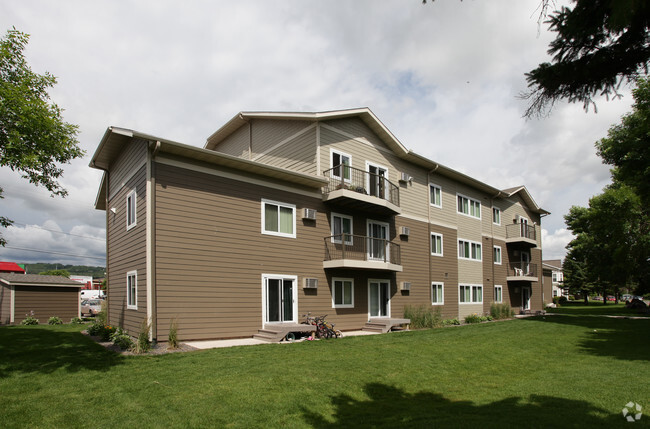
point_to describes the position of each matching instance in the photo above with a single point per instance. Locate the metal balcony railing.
(522, 269)
(521, 230)
(361, 248)
(346, 177)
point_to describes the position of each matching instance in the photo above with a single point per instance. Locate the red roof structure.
(11, 267)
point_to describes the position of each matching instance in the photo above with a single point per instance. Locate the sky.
(444, 77)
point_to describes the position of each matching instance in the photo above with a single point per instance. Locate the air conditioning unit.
(310, 283)
(406, 286)
(516, 219)
(309, 214)
(404, 177)
(404, 230)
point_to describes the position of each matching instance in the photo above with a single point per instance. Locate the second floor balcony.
(522, 272)
(521, 233)
(361, 190)
(360, 252)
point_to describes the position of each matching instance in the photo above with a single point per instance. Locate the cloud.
(554, 245)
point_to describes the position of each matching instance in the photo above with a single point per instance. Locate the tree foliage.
(60, 273)
(34, 139)
(600, 44)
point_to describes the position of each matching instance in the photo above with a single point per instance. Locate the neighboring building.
(45, 296)
(86, 281)
(554, 279)
(11, 267)
(281, 214)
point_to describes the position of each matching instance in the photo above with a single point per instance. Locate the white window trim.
(500, 255)
(470, 199)
(387, 176)
(431, 203)
(341, 279)
(279, 204)
(441, 244)
(350, 241)
(294, 295)
(470, 251)
(388, 304)
(134, 198)
(495, 293)
(499, 210)
(135, 276)
(442, 289)
(332, 151)
(471, 294)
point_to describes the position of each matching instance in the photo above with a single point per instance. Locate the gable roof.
(555, 264)
(11, 267)
(14, 279)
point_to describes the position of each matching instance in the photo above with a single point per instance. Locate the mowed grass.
(553, 371)
(596, 308)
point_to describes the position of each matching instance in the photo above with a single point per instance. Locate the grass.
(553, 371)
(596, 309)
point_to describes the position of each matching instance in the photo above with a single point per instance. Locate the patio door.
(377, 180)
(525, 263)
(525, 298)
(523, 226)
(377, 241)
(279, 295)
(379, 298)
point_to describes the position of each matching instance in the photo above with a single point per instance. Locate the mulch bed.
(157, 349)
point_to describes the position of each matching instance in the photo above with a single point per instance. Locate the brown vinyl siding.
(5, 304)
(237, 144)
(46, 302)
(127, 253)
(298, 154)
(130, 160)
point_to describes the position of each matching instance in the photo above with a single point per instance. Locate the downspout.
(150, 237)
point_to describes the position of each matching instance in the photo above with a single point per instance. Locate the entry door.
(523, 226)
(377, 240)
(525, 298)
(279, 299)
(379, 298)
(377, 181)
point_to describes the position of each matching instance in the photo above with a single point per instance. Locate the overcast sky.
(443, 77)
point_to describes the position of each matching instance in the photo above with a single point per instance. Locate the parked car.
(91, 307)
(611, 298)
(627, 297)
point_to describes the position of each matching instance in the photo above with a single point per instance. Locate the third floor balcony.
(521, 233)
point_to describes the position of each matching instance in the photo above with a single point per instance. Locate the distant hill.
(78, 270)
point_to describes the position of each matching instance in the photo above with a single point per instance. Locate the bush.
(501, 311)
(76, 321)
(448, 322)
(100, 330)
(121, 339)
(562, 300)
(54, 320)
(423, 316)
(475, 318)
(142, 343)
(173, 333)
(29, 319)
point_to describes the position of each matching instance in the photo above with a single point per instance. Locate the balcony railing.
(360, 248)
(363, 182)
(522, 269)
(521, 230)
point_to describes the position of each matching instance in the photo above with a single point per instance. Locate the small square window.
(497, 255)
(435, 195)
(496, 216)
(131, 210)
(498, 294)
(278, 219)
(436, 244)
(342, 293)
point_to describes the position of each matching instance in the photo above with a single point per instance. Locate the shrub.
(173, 333)
(562, 300)
(76, 321)
(142, 343)
(501, 311)
(107, 331)
(100, 330)
(423, 316)
(475, 318)
(448, 322)
(54, 320)
(121, 339)
(30, 319)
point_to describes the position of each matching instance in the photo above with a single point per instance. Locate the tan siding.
(446, 215)
(299, 154)
(236, 144)
(268, 133)
(445, 269)
(127, 163)
(46, 302)
(127, 253)
(5, 304)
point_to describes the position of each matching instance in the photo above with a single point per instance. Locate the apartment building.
(280, 214)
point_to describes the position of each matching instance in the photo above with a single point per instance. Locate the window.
(498, 294)
(470, 294)
(497, 255)
(469, 250)
(435, 195)
(341, 164)
(343, 293)
(469, 207)
(436, 244)
(278, 219)
(437, 294)
(554, 277)
(131, 209)
(496, 216)
(341, 226)
(132, 290)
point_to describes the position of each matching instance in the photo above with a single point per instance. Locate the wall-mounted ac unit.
(406, 286)
(309, 214)
(516, 219)
(404, 177)
(404, 230)
(310, 283)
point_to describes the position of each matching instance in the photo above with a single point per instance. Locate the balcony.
(359, 190)
(521, 233)
(359, 252)
(522, 272)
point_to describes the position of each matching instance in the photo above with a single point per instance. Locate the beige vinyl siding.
(297, 154)
(499, 272)
(445, 269)
(447, 214)
(5, 304)
(46, 302)
(237, 144)
(267, 133)
(130, 160)
(127, 252)
(465, 310)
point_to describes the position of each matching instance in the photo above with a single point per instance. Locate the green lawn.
(553, 371)
(596, 308)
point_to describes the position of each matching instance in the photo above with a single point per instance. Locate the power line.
(54, 253)
(61, 232)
